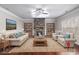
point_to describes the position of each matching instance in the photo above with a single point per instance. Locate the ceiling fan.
(41, 11)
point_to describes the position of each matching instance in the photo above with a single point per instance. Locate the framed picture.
(10, 24)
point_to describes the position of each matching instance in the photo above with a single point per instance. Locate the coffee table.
(39, 42)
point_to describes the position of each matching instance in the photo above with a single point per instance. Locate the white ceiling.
(25, 10)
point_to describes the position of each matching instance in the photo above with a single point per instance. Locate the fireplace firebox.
(39, 33)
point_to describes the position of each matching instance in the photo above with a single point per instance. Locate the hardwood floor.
(53, 48)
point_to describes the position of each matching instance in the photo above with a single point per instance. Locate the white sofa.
(59, 37)
(56, 36)
(64, 41)
(18, 41)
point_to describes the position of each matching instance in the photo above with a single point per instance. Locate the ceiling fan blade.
(41, 11)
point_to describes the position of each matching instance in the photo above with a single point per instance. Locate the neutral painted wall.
(70, 20)
(69, 23)
(6, 14)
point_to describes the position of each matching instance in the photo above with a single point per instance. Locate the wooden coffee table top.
(39, 42)
(40, 39)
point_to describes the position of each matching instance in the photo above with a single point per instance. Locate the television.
(10, 24)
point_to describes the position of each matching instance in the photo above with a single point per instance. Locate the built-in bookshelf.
(28, 28)
(50, 29)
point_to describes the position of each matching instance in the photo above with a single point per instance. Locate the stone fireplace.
(39, 26)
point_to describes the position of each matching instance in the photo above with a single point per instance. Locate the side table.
(4, 44)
